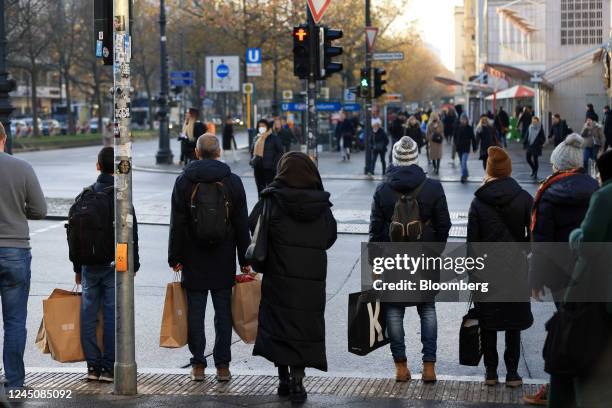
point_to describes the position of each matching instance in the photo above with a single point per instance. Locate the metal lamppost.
(6, 85)
(164, 154)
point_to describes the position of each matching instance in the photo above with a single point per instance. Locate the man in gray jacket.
(21, 199)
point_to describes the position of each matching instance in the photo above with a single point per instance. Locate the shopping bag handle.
(176, 276)
(76, 287)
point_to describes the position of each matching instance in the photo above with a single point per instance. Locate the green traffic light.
(364, 82)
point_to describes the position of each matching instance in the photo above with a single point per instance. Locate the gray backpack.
(406, 224)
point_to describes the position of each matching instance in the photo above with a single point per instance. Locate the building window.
(581, 22)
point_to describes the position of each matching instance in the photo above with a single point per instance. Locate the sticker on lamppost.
(223, 74)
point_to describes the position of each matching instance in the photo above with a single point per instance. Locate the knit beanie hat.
(498, 163)
(568, 154)
(405, 152)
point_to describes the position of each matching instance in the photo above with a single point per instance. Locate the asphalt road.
(63, 173)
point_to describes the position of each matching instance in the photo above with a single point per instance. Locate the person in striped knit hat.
(406, 177)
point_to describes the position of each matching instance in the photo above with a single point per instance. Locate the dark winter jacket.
(502, 121)
(607, 126)
(106, 181)
(291, 328)
(501, 212)
(524, 122)
(397, 129)
(188, 146)
(204, 266)
(228, 134)
(381, 140)
(591, 114)
(432, 204)
(559, 211)
(450, 122)
(416, 134)
(535, 148)
(485, 137)
(558, 132)
(345, 131)
(464, 139)
(273, 151)
(285, 135)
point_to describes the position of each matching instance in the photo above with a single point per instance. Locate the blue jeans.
(464, 161)
(98, 291)
(429, 330)
(196, 311)
(589, 153)
(15, 276)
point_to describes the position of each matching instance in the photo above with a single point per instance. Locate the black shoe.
(491, 377)
(283, 387)
(93, 373)
(297, 392)
(513, 380)
(107, 375)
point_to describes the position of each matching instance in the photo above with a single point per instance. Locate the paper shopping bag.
(366, 323)
(246, 296)
(56, 325)
(173, 332)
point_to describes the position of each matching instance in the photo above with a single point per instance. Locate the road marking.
(49, 228)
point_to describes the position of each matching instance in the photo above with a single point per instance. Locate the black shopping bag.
(366, 323)
(470, 351)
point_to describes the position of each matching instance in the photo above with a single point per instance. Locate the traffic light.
(330, 51)
(302, 39)
(379, 82)
(364, 83)
(103, 30)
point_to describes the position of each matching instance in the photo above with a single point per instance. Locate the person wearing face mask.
(267, 151)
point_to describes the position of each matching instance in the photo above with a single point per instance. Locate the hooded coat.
(435, 149)
(501, 212)
(559, 211)
(291, 328)
(207, 267)
(485, 138)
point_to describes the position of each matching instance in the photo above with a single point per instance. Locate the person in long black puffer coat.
(501, 212)
(301, 228)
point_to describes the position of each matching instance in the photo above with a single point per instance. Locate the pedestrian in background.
(300, 229)
(485, 138)
(381, 140)
(413, 131)
(21, 199)
(283, 133)
(501, 212)
(502, 125)
(464, 140)
(590, 113)
(345, 134)
(607, 127)
(524, 121)
(205, 266)
(559, 207)
(592, 134)
(450, 122)
(107, 134)
(228, 139)
(435, 137)
(192, 129)
(533, 145)
(558, 130)
(98, 279)
(404, 177)
(267, 151)
(398, 127)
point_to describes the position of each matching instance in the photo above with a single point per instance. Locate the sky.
(434, 20)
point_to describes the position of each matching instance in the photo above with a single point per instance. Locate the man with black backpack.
(91, 246)
(208, 228)
(409, 207)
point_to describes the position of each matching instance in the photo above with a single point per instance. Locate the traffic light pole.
(368, 98)
(311, 95)
(6, 85)
(125, 356)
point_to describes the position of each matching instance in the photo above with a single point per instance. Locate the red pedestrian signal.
(300, 34)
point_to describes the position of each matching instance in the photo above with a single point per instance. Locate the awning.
(448, 81)
(518, 91)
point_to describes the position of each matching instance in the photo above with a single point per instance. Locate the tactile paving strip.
(245, 385)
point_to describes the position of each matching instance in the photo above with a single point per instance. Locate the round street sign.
(222, 70)
(247, 88)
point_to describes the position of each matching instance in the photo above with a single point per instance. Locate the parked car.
(93, 124)
(30, 125)
(18, 128)
(51, 127)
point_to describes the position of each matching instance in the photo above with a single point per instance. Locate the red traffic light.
(300, 33)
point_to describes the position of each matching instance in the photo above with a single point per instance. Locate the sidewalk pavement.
(332, 167)
(160, 389)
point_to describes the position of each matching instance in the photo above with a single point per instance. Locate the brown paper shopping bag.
(173, 332)
(60, 329)
(246, 296)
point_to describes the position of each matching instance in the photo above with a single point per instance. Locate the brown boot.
(402, 374)
(429, 371)
(223, 374)
(197, 372)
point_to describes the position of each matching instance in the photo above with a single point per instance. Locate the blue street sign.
(181, 82)
(328, 106)
(352, 107)
(293, 106)
(253, 56)
(182, 75)
(222, 70)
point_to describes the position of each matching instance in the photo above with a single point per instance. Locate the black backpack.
(406, 224)
(90, 230)
(210, 212)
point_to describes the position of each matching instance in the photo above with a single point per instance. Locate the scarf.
(297, 170)
(534, 131)
(553, 178)
(258, 150)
